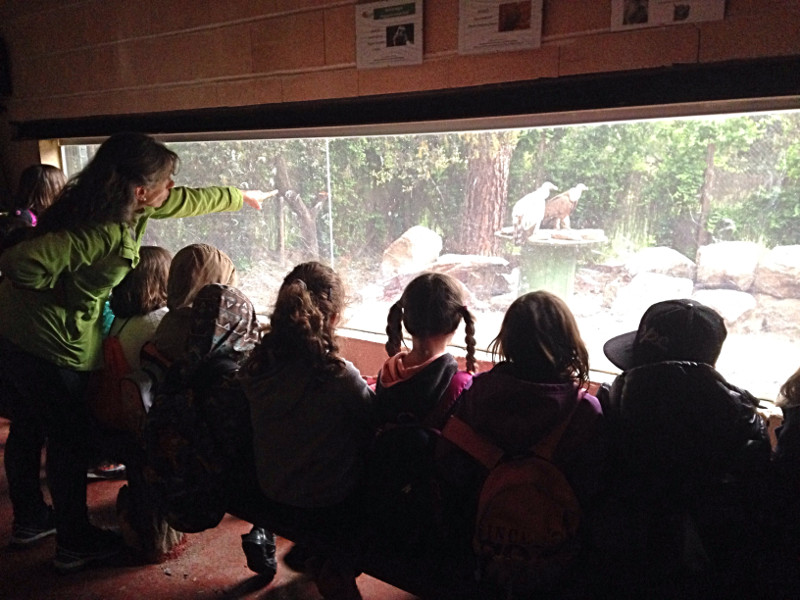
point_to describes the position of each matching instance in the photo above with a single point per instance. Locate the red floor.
(210, 565)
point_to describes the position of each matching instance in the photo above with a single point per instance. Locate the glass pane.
(705, 207)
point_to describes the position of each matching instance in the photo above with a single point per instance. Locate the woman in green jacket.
(51, 300)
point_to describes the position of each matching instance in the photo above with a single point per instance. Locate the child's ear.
(334, 319)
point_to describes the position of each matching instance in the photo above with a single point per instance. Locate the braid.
(394, 329)
(469, 329)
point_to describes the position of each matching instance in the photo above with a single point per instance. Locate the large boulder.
(645, 290)
(732, 305)
(663, 260)
(412, 252)
(780, 316)
(778, 272)
(485, 276)
(730, 265)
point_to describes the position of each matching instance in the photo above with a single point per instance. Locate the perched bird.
(528, 212)
(558, 208)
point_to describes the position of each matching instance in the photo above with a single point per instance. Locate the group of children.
(667, 466)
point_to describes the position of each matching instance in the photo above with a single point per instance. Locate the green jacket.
(55, 285)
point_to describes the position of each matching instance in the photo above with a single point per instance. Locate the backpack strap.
(488, 454)
(470, 441)
(545, 447)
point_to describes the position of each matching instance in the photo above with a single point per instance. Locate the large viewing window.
(692, 207)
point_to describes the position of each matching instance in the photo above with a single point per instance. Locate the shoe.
(97, 545)
(25, 534)
(259, 549)
(109, 471)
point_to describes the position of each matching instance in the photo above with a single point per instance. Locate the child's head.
(790, 391)
(431, 305)
(540, 337)
(144, 288)
(38, 187)
(193, 268)
(303, 323)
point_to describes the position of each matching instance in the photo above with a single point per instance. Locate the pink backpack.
(526, 525)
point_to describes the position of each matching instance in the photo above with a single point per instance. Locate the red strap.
(474, 444)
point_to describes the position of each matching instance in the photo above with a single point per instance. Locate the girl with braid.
(412, 382)
(312, 422)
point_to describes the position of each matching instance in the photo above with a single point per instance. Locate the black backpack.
(403, 490)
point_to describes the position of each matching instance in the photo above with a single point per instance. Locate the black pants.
(48, 402)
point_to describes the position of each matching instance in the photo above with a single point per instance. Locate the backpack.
(104, 395)
(403, 490)
(186, 461)
(525, 532)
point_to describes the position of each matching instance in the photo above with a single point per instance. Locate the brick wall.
(77, 58)
(73, 58)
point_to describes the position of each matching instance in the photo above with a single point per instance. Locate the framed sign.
(388, 33)
(633, 14)
(499, 25)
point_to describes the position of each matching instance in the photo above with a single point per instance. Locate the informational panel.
(632, 14)
(499, 25)
(388, 33)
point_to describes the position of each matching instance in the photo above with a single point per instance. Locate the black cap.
(670, 330)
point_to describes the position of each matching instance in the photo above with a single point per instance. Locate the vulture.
(560, 207)
(528, 212)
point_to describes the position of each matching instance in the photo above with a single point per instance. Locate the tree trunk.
(702, 236)
(307, 216)
(487, 187)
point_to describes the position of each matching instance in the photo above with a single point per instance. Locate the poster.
(634, 14)
(388, 33)
(499, 25)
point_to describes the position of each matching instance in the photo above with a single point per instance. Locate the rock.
(412, 252)
(730, 265)
(732, 305)
(645, 290)
(773, 315)
(778, 272)
(663, 260)
(483, 275)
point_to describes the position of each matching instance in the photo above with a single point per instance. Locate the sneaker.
(108, 471)
(98, 545)
(259, 549)
(25, 534)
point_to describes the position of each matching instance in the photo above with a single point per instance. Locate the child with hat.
(688, 452)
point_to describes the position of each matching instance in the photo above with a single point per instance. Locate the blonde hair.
(540, 336)
(194, 267)
(431, 304)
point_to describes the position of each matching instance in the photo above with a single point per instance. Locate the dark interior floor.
(209, 564)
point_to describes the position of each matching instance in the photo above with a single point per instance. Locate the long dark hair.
(431, 304)
(103, 192)
(38, 187)
(144, 288)
(540, 336)
(302, 323)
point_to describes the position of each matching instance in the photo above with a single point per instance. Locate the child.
(416, 387)
(311, 411)
(536, 389)
(139, 301)
(192, 268)
(412, 382)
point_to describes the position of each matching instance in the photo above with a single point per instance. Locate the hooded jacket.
(679, 427)
(515, 414)
(310, 432)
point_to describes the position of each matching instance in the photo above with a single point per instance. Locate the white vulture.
(528, 212)
(558, 208)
